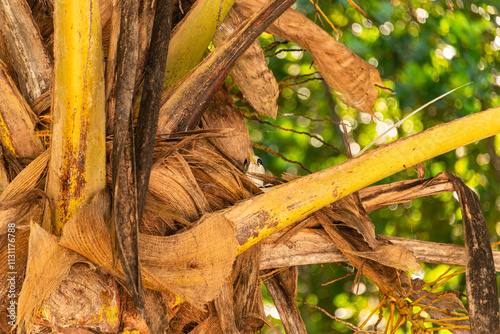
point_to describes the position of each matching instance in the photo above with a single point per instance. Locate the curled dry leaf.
(344, 71)
(393, 256)
(146, 19)
(222, 113)
(175, 185)
(376, 197)
(17, 132)
(353, 233)
(250, 73)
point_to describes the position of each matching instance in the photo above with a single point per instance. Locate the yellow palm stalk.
(260, 216)
(77, 166)
(17, 126)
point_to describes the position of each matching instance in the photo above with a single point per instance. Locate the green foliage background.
(422, 49)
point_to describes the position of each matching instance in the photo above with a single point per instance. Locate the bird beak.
(251, 158)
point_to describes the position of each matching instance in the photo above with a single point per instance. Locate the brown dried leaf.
(221, 182)
(440, 307)
(342, 69)
(283, 289)
(481, 283)
(250, 73)
(312, 246)
(176, 186)
(112, 35)
(222, 113)
(376, 197)
(18, 121)
(210, 325)
(247, 298)
(189, 314)
(393, 256)
(16, 213)
(159, 309)
(354, 235)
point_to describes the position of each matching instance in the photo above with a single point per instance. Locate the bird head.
(253, 165)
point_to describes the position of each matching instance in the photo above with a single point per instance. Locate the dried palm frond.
(250, 73)
(17, 133)
(345, 72)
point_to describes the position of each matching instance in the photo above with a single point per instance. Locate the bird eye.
(245, 162)
(259, 161)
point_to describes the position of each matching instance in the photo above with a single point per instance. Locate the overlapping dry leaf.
(175, 184)
(250, 73)
(191, 181)
(17, 133)
(354, 234)
(345, 72)
(223, 114)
